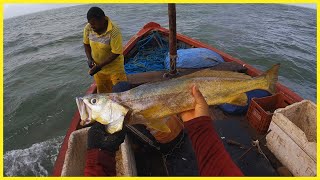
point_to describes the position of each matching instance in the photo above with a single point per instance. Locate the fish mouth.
(84, 111)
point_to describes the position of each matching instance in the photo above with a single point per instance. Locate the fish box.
(260, 111)
(293, 137)
(75, 159)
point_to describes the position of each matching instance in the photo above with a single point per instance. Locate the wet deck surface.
(181, 160)
(236, 128)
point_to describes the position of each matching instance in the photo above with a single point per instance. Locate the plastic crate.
(260, 111)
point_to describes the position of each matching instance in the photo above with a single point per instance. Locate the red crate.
(260, 111)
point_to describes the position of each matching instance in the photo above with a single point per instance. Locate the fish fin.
(271, 76)
(240, 100)
(159, 125)
(214, 73)
(86, 122)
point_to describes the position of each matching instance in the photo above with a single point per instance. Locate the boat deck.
(236, 128)
(180, 160)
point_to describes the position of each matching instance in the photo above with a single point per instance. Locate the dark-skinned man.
(103, 46)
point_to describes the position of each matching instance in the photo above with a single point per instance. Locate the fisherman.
(212, 158)
(103, 46)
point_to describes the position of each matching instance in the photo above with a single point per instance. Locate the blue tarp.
(234, 109)
(153, 56)
(195, 58)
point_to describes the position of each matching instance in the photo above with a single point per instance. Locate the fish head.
(102, 108)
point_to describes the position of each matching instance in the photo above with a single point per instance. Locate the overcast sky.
(12, 10)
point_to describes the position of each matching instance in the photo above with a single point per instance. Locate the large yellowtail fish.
(149, 103)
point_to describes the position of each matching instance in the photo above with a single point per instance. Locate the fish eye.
(93, 101)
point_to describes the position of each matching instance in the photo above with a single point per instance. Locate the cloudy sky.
(12, 10)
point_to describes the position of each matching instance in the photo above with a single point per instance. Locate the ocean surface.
(45, 64)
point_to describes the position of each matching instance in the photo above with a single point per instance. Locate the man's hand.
(90, 63)
(98, 138)
(201, 107)
(94, 70)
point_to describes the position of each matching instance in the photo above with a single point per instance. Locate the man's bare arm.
(109, 60)
(97, 68)
(87, 49)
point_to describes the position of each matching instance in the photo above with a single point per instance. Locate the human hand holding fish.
(201, 107)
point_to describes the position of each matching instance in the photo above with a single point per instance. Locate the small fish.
(149, 103)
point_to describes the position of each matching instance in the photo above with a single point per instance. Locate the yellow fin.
(159, 125)
(217, 74)
(148, 113)
(271, 77)
(240, 100)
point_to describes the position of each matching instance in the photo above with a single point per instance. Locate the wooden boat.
(130, 50)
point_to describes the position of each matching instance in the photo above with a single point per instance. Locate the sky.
(12, 10)
(311, 6)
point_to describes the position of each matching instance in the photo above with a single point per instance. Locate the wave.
(45, 64)
(37, 160)
(32, 47)
(14, 39)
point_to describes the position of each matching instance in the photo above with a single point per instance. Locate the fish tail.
(271, 77)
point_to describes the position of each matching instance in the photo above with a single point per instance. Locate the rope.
(257, 144)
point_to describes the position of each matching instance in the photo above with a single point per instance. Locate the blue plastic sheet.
(153, 56)
(195, 58)
(234, 109)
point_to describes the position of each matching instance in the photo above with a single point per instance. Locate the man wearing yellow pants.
(103, 46)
